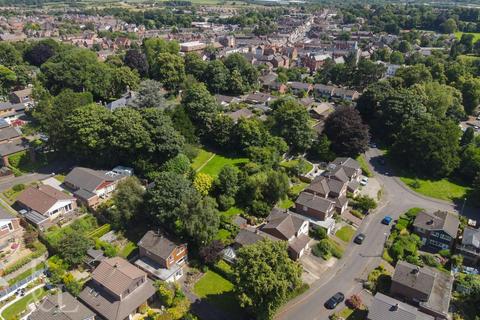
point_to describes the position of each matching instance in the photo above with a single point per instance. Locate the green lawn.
(363, 164)
(285, 203)
(233, 211)
(128, 249)
(216, 164)
(292, 163)
(345, 233)
(476, 35)
(218, 291)
(443, 189)
(223, 235)
(297, 188)
(201, 158)
(352, 314)
(18, 307)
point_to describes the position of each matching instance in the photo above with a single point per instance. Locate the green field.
(345, 233)
(443, 189)
(13, 311)
(476, 35)
(218, 291)
(202, 158)
(216, 164)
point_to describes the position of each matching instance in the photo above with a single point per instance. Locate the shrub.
(323, 249)
(225, 202)
(430, 260)
(354, 302)
(445, 253)
(357, 214)
(18, 187)
(318, 233)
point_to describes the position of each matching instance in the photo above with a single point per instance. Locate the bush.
(430, 260)
(18, 187)
(323, 249)
(445, 253)
(357, 214)
(364, 203)
(354, 302)
(318, 233)
(225, 202)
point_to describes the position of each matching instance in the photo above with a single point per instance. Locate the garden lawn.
(292, 163)
(26, 273)
(128, 249)
(441, 189)
(18, 307)
(345, 233)
(218, 291)
(285, 203)
(297, 188)
(202, 158)
(476, 35)
(223, 235)
(352, 314)
(230, 213)
(216, 164)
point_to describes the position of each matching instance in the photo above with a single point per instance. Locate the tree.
(202, 220)
(127, 203)
(276, 187)
(404, 46)
(200, 106)
(470, 162)
(250, 133)
(9, 56)
(414, 74)
(154, 46)
(442, 100)
(321, 149)
(40, 52)
(397, 58)
(366, 73)
(123, 80)
(136, 60)
(471, 94)
(195, 65)
(449, 26)
(150, 95)
(227, 181)
(169, 69)
(7, 79)
(291, 122)
(216, 76)
(349, 136)
(264, 277)
(73, 247)
(235, 83)
(211, 253)
(428, 147)
(467, 136)
(203, 183)
(71, 284)
(179, 164)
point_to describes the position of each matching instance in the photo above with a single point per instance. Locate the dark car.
(359, 238)
(333, 302)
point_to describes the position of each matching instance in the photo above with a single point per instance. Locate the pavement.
(349, 272)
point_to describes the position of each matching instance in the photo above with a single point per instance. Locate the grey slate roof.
(384, 307)
(241, 113)
(157, 244)
(284, 223)
(12, 147)
(439, 220)
(89, 179)
(409, 275)
(471, 237)
(5, 215)
(245, 238)
(315, 202)
(9, 133)
(62, 306)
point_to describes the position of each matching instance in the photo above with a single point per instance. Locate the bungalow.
(21, 96)
(61, 306)
(259, 98)
(298, 87)
(469, 247)
(239, 114)
(46, 200)
(226, 100)
(91, 186)
(117, 289)
(160, 257)
(437, 230)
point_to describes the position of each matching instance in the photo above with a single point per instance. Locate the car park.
(334, 301)
(386, 220)
(359, 238)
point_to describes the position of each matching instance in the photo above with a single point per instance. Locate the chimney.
(416, 270)
(394, 307)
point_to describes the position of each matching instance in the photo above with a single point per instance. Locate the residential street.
(358, 260)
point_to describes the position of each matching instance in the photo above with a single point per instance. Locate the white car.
(364, 181)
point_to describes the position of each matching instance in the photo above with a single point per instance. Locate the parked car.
(334, 301)
(386, 220)
(359, 238)
(364, 181)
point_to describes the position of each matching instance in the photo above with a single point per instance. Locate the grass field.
(345, 233)
(218, 291)
(443, 189)
(13, 311)
(285, 203)
(202, 158)
(476, 35)
(292, 163)
(216, 164)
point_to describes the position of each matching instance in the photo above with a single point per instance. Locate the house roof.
(268, 78)
(12, 147)
(111, 308)
(284, 223)
(158, 244)
(23, 93)
(325, 185)
(300, 85)
(439, 220)
(322, 109)
(9, 133)
(116, 274)
(241, 113)
(315, 202)
(471, 237)
(245, 238)
(337, 172)
(384, 307)
(412, 276)
(299, 243)
(4, 215)
(89, 179)
(259, 97)
(42, 198)
(62, 306)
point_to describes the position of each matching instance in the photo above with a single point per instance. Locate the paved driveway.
(346, 276)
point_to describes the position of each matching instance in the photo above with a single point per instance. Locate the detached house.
(315, 206)
(62, 306)
(287, 227)
(331, 189)
(437, 230)
(469, 247)
(45, 203)
(92, 186)
(117, 289)
(9, 227)
(160, 257)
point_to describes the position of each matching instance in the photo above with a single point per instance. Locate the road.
(346, 276)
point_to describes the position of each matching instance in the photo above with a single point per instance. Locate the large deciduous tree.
(265, 277)
(127, 203)
(169, 69)
(150, 95)
(137, 60)
(348, 134)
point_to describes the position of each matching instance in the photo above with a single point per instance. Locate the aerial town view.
(239, 160)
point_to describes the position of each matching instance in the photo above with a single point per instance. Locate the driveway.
(347, 274)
